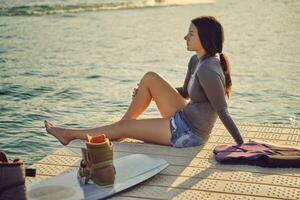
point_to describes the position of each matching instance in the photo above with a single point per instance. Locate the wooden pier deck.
(193, 173)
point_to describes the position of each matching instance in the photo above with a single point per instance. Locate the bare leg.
(149, 130)
(166, 97)
(152, 85)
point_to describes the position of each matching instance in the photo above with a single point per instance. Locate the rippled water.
(78, 68)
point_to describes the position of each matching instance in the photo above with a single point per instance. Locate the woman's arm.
(214, 89)
(182, 92)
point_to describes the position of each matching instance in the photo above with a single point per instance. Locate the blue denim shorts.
(181, 133)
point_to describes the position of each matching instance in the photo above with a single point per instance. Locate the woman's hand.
(135, 90)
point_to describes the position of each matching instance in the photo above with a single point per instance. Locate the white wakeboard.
(130, 170)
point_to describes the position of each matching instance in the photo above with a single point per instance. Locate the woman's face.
(193, 42)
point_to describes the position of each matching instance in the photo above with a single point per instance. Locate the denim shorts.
(181, 133)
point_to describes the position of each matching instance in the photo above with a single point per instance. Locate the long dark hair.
(211, 36)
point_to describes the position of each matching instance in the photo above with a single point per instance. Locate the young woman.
(189, 112)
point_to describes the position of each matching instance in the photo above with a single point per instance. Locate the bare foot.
(60, 133)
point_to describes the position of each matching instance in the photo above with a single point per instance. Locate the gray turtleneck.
(207, 98)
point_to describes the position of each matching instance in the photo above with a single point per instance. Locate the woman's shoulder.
(211, 63)
(211, 67)
(211, 60)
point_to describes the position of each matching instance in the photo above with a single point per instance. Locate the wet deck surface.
(193, 173)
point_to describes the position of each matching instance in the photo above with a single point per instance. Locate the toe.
(48, 124)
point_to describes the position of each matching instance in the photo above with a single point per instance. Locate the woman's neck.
(200, 54)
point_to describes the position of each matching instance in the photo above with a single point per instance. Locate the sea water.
(75, 63)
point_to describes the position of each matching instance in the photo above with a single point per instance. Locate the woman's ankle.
(69, 135)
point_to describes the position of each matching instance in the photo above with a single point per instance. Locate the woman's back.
(199, 112)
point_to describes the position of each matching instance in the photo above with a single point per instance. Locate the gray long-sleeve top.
(207, 98)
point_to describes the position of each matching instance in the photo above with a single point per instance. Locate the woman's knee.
(150, 76)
